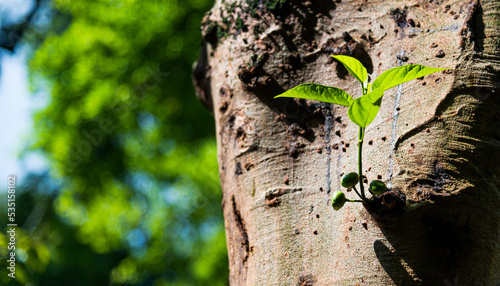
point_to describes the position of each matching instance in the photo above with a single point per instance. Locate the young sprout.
(362, 110)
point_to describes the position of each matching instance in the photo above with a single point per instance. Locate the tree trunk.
(435, 142)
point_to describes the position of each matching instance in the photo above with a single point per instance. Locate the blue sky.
(16, 103)
(16, 107)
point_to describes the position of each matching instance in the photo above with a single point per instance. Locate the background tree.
(132, 196)
(435, 141)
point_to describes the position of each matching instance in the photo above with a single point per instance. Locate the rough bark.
(436, 141)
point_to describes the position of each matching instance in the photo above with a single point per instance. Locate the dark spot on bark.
(344, 150)
(347, 37)
(297, 231)
(379, 177)
(398, 108)
(252, 73)
(238, 170)
(446, 8)
(240, 133)
(319, 150)
(402, 58)
(320, 189)
(427, 130)
(295, 149)
(286, 181)
(317, 215)
(438, 80)
(440, 54)
(370, 142)
(412, 145)
(226, 92)
(449, 71)
(248, 165)
(338, 133)
(338, 119)
(399, 17)
(347, 145)
(245, 74)
(411, 22)
(306, 280)
(315, 231)
(384, 138)
(365, 225)
(296, 129)
(223, 106)
(244, 244)
(433, 45)
(335, 146)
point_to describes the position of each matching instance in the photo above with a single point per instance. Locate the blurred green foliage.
(133, 196)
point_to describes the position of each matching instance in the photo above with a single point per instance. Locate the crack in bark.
(243, 232)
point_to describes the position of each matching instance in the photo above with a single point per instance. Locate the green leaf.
(319, 92)
(364, 109)
(354, 67)
(396, 76)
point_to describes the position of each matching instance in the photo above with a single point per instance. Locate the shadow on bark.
(444, 241)
(392, 264)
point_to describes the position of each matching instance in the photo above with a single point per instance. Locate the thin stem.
(354, 188)
(360, 164)
(355, 201)
(360, 152)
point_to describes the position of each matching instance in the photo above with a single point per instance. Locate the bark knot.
(274, 196)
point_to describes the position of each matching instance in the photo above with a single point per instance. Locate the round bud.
(377, 187)
(350, 180)
(338, 200)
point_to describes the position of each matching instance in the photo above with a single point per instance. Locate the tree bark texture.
(435, 141)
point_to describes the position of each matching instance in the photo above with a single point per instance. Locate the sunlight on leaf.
(354, 67)
(399, 75)
(364, 110)
(319, 92)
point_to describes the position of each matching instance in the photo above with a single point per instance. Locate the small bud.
(338, 200)
(377, 187)
(350, 180)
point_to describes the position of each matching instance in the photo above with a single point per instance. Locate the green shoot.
(362, 110)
